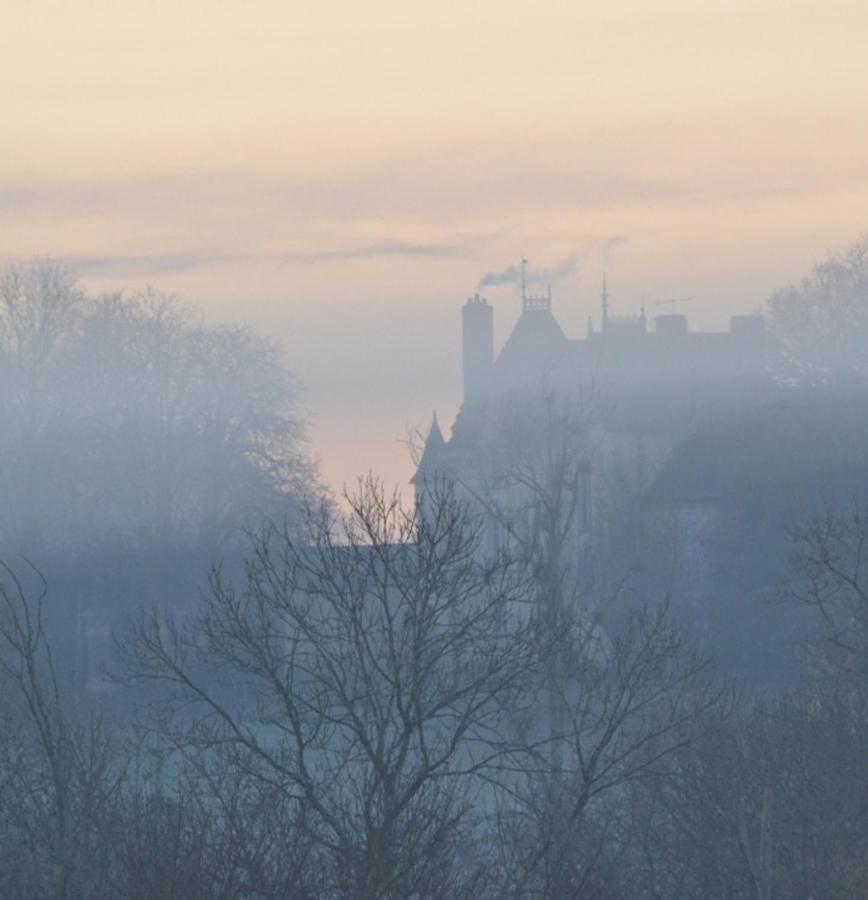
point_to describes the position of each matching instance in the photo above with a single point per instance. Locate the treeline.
(396, 704)
(379, 708)
(137, 443)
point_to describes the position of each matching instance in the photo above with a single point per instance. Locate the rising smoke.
(566, 268)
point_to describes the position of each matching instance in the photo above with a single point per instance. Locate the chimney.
(477, 320)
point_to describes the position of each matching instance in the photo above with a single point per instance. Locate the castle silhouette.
(654, 383)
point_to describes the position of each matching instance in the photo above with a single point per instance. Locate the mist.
(643, 543)
(434, 451)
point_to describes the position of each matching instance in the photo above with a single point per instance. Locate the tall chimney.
(477, 321)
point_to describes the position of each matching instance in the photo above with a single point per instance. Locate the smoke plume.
(548, 275)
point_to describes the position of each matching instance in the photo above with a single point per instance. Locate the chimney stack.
(477, 320)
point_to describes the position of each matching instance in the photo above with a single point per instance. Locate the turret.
(477, 320)
(432, 468)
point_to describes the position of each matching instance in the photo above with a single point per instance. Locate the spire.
(435, 435)
(604, 297)
(523, 282)
(434, 446)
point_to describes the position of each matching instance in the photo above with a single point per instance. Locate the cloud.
(455, 184)
(156, 264)
(143, 266)
(482, 185)
(385, 248)
(460, 202)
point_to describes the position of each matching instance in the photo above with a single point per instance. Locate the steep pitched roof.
(536, 340)
(432, 455)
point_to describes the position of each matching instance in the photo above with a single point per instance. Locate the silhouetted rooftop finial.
(534, 302)
(604, 297)
(435, 431)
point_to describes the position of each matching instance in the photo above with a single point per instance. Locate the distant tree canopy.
(821, 325)
(128, 422)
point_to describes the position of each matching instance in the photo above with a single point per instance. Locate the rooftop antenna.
(671, 303)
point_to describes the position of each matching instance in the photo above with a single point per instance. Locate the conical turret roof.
(431, 459)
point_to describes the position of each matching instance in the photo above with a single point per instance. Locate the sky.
(343, 175)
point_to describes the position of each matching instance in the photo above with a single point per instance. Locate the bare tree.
(40, 309)
(61, 774)
(206, 417)
(527, 475)
(371, 665)
(770, 800)
(821, 325)
(126, 418)
(137, 444)
(630, 704)
(608, 709)
(830, 576)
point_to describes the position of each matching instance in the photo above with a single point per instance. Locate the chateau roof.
(432, 454)
(654, 381)
(536, 339)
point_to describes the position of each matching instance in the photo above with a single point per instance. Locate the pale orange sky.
(342, 174)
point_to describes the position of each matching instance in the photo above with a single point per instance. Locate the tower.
(432, 467)
(477, 321)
